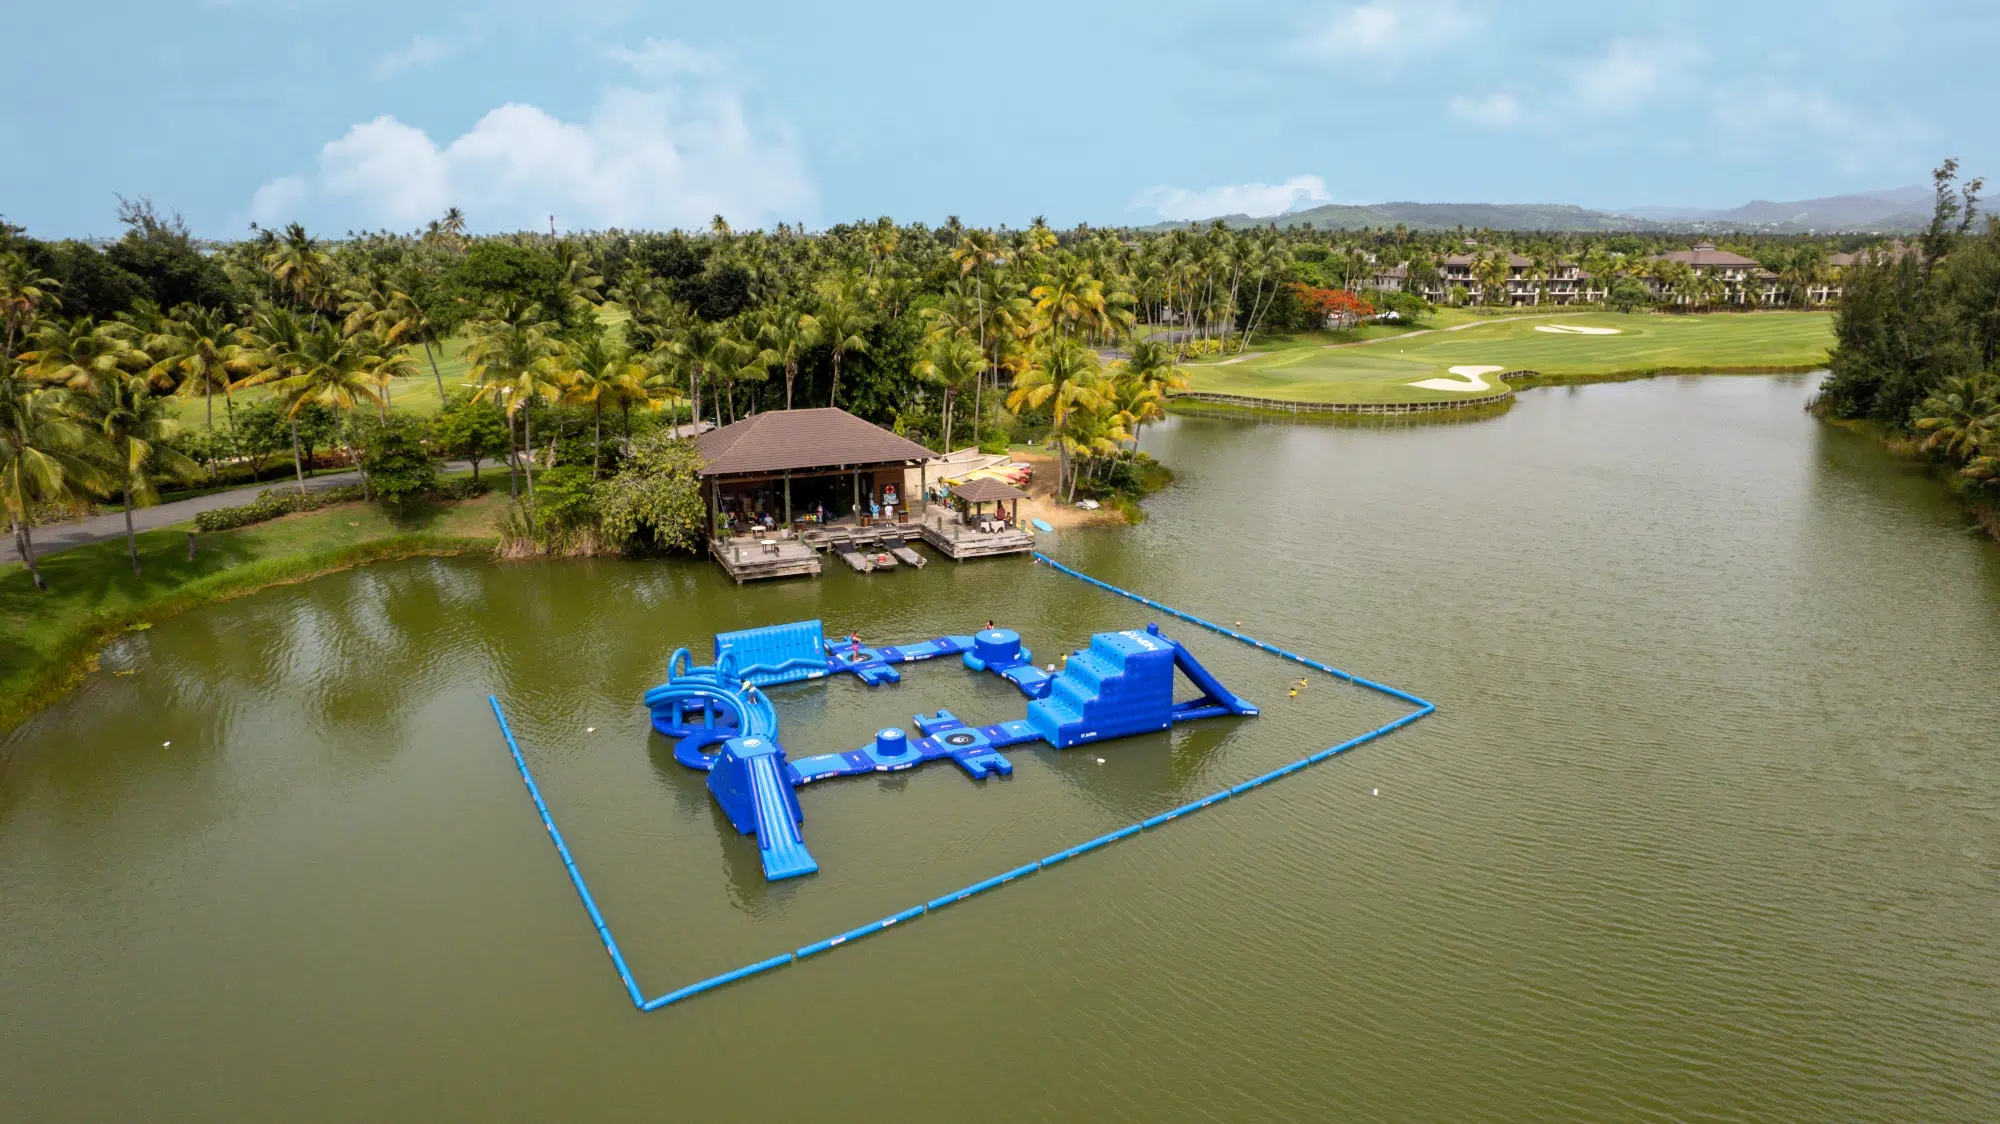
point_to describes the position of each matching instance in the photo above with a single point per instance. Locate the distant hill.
(1895, 210)
(1439, 216)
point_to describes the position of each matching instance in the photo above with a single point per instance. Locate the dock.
(752, 557)
(957, 540)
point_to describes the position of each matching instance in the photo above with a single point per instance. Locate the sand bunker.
(1471, 375)
(1575, 330)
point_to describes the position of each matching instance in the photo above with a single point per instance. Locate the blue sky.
(362, 114)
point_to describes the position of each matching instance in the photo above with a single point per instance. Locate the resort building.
(1744, 280)
(1566, 282)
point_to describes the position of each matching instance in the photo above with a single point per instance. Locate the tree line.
(1918, 340)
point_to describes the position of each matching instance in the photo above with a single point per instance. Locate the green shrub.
(270, 504)
(460, 488)
(398, 465)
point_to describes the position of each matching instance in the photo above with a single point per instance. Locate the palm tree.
(1155, 368)
(297, 265)
(324, 368)
(785, 342)
(198, 349)
(46, 456)
(413, 319)
(1062, 374)
(511, 355)
(596, 373)
(133, 424)
(82, 352)
(22, 296)
(838, 320)
(1962, 418)
(272, 351)
(953, 362)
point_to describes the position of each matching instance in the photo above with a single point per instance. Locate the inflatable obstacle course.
(1122, 684)
(1224, 796)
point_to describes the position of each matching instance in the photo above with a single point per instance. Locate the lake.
(1704, 826)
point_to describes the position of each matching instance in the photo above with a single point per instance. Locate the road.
(98, 528)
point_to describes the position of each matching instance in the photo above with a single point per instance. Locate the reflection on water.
(1703, 827)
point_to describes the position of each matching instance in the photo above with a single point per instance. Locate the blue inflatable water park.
(723, 724)
(722, 721)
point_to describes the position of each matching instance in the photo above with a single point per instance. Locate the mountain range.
(1894, 210)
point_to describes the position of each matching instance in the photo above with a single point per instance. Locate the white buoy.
(164, 745)
(590, 729)
(1100, 761)
(1374, 792)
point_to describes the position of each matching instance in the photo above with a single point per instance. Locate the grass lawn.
(1301, 369)
(418, 394)
(92, 592)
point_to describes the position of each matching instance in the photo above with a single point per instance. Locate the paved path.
(98, 528)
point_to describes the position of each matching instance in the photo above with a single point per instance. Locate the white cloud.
(1632, 73)
(1255, 199)
(668, 154)
(1386, 30)
(278, 202)
(663, 58)
(1764, 111)
(420, 51)
(1497, 110)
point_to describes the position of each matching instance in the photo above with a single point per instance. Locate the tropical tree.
(81, 353)
(134, 427)
(1962, 420)
(198, 350)
(838, 319)
(599, 372)
(413, 320)
(300, 267)
(953, 363)
(786, 340)
(513, 362)
(46, 456)
(1062, 376)
(312, 364)
(23, 294)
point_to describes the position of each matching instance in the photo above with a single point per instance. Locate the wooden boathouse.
(781, 485)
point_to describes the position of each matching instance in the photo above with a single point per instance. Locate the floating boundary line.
(916, 911)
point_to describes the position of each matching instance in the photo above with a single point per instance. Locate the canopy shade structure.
(986, 490)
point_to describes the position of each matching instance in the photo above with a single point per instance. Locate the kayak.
(1040, 525)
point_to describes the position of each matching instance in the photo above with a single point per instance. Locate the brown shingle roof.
(783, 440)
(1707, 254)
(985, 489)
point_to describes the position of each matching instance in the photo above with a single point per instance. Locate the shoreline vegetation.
(570, 363)
(1917, 359)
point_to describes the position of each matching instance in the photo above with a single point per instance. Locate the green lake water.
(1705, 826)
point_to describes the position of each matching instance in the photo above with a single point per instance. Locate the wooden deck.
(746, 558)
(956, 541)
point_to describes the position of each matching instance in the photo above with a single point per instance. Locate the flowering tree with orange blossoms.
(1338, 306)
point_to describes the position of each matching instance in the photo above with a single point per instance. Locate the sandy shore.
(1041, 503)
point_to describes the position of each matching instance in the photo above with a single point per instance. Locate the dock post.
(788, 497)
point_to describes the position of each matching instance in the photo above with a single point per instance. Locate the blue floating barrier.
(714, 982)
(981, 887)
(562, 849)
